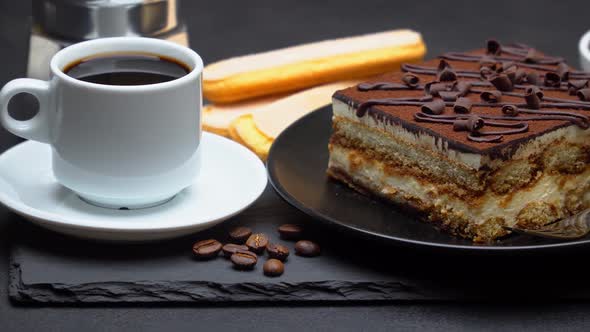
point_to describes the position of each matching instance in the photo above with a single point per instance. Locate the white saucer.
(231, 179)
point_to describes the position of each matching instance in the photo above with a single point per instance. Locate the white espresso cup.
(116, 146)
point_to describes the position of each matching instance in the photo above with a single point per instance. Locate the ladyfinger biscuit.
(257, 130)
(217, 118)
(298, 67)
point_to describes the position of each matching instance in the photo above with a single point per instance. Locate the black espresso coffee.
(126, 69)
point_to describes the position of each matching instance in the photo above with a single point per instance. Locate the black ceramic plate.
(297, 168)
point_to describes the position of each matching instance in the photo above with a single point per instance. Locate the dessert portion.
(470, 141)
(299, 67)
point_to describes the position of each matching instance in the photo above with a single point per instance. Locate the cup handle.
(36, 128)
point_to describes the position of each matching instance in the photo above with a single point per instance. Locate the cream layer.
(549, 188)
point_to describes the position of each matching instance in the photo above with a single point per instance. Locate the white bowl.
(584, 49)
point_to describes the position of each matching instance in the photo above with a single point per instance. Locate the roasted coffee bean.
(277, 251)
(244, 260)
(307, 248)
(257, 242)
(230, 248)
(291, 231)
(273, 267)
(240, 234)
(206, 248)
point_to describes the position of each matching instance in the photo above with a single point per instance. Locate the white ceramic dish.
(231, 179)
(584, 49)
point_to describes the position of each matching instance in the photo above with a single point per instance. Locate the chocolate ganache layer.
(487, 101)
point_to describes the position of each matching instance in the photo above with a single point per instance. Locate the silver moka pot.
(59, 23)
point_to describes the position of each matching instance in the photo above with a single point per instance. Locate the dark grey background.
(224, 28)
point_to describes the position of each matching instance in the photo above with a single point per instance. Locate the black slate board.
(50, 268)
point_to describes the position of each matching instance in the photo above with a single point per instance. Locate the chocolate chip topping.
(520, 76)
(584, 94)
(436, 106)
(502, 82)
(536, 90)
(552, 79)
(493, 47)
(442, 65)
(433, 88)
(516, 67)
(463, 88)
(532, 96)
(532, 78)
(444, 72)
(575, 85)
(462, 105)
(563, 70)
(511, 73)
(447, 75)
(491, 96)
(486, 72)
(471, 124)
(448, 95)
(510, 110)
(410, 80)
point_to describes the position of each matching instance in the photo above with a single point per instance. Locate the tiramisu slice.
(474, 141)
